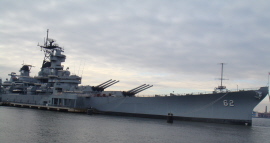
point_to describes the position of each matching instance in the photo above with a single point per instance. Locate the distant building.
(254, 114)
(264, 115)
(261, 115)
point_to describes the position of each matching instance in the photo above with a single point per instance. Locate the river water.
(24, 125)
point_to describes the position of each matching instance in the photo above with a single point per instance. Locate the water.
(24, 125)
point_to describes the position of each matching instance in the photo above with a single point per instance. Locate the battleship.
(57, 87)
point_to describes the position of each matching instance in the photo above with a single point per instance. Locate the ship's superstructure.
(55, 86)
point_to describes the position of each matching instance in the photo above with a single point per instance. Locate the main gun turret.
(136, 90)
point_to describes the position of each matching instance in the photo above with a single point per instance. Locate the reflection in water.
(39, 126)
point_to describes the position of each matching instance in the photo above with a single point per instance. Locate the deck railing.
(197, 93)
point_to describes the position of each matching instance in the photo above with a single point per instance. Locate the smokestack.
(265, 109)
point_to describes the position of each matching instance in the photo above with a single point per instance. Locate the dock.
(45, 107)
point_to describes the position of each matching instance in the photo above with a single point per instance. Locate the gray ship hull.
(230, 107)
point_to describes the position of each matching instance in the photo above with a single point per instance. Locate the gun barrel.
(136, 88)
(104, 83)
(139, 88)
(108, 83)
(112, 83)
(142, 89)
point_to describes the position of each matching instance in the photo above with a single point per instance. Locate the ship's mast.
(221, 87)
(49, 47)
(47, 52)
(268, 79)
(221, 78)
(47, 38)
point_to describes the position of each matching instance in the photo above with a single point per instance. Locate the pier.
(44, 107)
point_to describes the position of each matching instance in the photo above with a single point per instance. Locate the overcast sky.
(174, 45)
